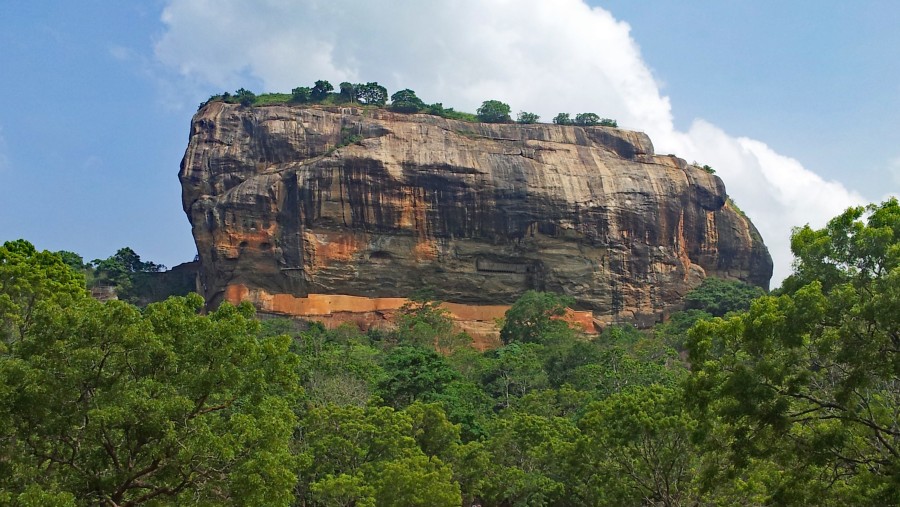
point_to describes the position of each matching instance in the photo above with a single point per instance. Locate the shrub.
(436, 109)
(245, 97)
(320, 91)
(562, 119)
(525, 117)
(406, 101)
(587, 119)
(451, 114)
(301, 94)
(494, 111)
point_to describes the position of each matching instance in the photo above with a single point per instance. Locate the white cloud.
(536, 55)
(776, 191)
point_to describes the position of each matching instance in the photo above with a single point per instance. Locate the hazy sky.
(795, 104)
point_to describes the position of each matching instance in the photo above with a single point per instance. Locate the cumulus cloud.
(776, 191)
(539, 56)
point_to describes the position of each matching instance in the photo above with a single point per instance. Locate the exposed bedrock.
(345, 201)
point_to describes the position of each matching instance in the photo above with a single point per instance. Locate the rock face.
(307, 201)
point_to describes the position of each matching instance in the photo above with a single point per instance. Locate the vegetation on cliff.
(125, 276)
(584, 120)
(789, 398)
(404, 101)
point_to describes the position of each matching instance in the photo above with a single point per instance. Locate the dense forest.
(742, 398)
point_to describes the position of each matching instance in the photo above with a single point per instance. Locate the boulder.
(305, 201)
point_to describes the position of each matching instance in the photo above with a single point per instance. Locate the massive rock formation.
(298, 203)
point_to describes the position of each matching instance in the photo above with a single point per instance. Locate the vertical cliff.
(288, 202)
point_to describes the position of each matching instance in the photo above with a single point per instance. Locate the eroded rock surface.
(307, 201)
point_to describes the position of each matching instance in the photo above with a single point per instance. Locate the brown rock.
(303, 201)
(334, 310)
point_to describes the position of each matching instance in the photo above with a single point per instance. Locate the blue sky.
(815, 80)
(794, 103)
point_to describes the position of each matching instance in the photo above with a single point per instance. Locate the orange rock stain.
(231, 243)
(326, 247)
(710, 243)
(426, 250)
(333, 310)
(681, 247)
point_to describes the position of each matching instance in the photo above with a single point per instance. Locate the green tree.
(628, 359)
(245, 97)
(531, 455)
(808, 380)
(536, 317)
(29, 278)
(125, 270)
(562, 119)
(414, 373)
(368, 456)
(517, 369)
(608, 122)
(320, 91)
(467, 405)
(301, 94)
(343, 490)
(338, 366)
(119, 407)
(674, 331)
(372, 93)
(425, 323)
(438, 437)
(436, 109)
(73, 260)
(349, 441)
(637, 449)
(587, 119)
(493, 111)
(347, 91)
(422, 322)
(565, 359)
(718, 297)
(565, 401)
(434, 433)
(847, 249)
(416, 481)
(406, 101)
(123, 262)
(525, 117)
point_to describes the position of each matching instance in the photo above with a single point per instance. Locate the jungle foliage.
(789, 398)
